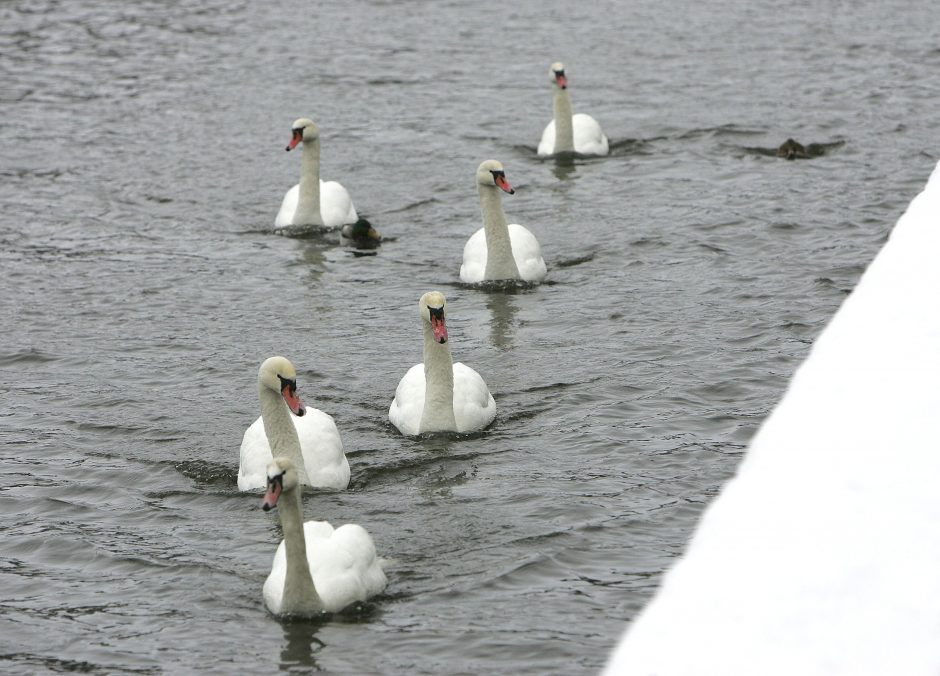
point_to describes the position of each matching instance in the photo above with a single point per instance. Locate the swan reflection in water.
(300, 645)
(564, 165)
(503, 308)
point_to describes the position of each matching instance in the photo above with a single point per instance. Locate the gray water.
(141, 287)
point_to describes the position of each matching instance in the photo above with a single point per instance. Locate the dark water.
(142, 165)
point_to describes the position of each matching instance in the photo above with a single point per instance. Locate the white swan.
(316, 568)
(497, 250)
(438, 395)
(569, 132)
(311, 441)
(312, 201)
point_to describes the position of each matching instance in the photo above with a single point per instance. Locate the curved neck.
(299, 595)
(438, 412)
(500, 263)
(280, 430)
(308, 201)
(564, 132)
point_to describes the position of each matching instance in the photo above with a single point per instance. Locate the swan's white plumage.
(439, 395)
(324, 460)
(323, 203)
(525, 250)
(343, 564)
(474, 406)
(569, 131)
(589, 138)
(316, 568)
(499, 250)
(821, 555)
(336, 206)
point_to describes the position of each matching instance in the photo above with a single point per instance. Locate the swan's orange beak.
(503, 184)
(561, 80)
(294, 403)
(298, 136)
(272, 493)
(437, 325)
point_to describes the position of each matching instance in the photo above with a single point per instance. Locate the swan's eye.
(559, 73)
(497, 173)
(436, 312)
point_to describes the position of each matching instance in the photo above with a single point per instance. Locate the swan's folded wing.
(547, 143)
(527, 253)
(344, 565)
(273, 591)
(589, 138)
(285, 214)
(474, 406)
(366, 563)
(408, 404)
(322, 449)
(336, 205)
(253, 458)
(474, 258)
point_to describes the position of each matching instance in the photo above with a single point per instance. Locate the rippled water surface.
(141, 285)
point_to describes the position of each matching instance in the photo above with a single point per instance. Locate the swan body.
(569, 132)
(310, 439)
(316, 568)
(438, 395)
(312, 201)
(499, 250)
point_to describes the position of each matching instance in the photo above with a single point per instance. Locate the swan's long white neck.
(564, 132)
(300, 595)
(308, 202)
(438, 415)
(500, 263)
(280, 430)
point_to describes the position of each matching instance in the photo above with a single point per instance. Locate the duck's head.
(362, 234)
(790, 149)
(557, 74)
(278, 374)
(282, 478)
(303, 129)
(491, 173)
(433, 308)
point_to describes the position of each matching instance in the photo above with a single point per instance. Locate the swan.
(497, 250)
(438, 395)
(312, 201)
(569, 132)
(311, 440)
(316, 568)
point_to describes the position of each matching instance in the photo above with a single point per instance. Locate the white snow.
(822, 555)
